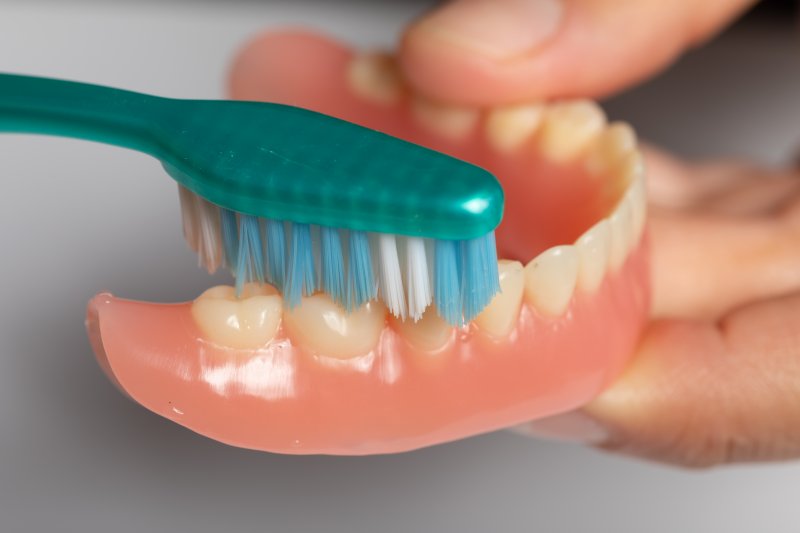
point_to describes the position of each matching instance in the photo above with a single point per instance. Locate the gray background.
(77, 218)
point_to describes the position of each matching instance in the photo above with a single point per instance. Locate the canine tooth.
(568, 128)
(250, 321)
(500, 316)
(550, 279)
(610, 147)
(621, 222)
(593, 251)
(638, 199)
(375, 77)
(327, 329)
(451, 122)
(632, 173)
(430, 333)
(507, 128)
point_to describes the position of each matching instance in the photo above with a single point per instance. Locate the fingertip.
(254, 67)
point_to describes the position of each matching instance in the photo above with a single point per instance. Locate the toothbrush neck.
(54, 107)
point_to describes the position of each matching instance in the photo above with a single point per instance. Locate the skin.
(717, 375)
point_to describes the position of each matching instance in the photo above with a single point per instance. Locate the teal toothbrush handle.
(65, 108)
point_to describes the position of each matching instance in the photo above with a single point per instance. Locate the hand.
(499, 51)
(717, 376)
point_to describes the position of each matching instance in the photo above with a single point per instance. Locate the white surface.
(76, 218)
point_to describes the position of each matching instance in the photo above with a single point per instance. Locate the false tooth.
(621, 222)
(375, 77)
(593, 255)
(430, 333)
(507, 128)
(638, 208)
(451, 122)
(248, 322)
(500, 316)
(550, 279)
(609, 148)
(634, 170)
(326, 329)
(568, 128)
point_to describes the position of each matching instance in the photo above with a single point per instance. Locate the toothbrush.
(300, 200)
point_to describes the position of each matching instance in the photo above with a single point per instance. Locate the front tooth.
(593, 251)
(430, 333)
(248, 322)
(550, 279)
(507, 128)
(621, 222)
(451, 122)
(325, 328)
(568, 129)
(609, 148)
(500, 316)
(375, 77)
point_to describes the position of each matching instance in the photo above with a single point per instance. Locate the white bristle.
(391, 280)
(188, 216)
(417, 277)
(209, 241)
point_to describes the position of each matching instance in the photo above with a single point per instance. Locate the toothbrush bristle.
(250, 259)
(352, 267)
(417, 277)
(301, 276)
(390, 278)
(361, 286)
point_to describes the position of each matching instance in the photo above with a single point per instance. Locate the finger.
(702, 393)
(675, 184)
(704, 265)
(501, 51)
(762, 193)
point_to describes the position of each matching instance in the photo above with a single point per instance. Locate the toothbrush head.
(308, 202)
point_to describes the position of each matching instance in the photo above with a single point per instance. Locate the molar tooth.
(500, 316)
(248, 322)
(375, 77)
(327, 329)
(452, 122)
(609, 148)
(430, 333)
(507, 128)
(550, 279)
(621, 222)
(568, 128)
(593, 252)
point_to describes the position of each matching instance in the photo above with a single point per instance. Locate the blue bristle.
(276, 253)
(230, 238)
(360, 279)
(301, 279)
(250, 260)
(446, 292)
(480, 280)
(332, 264)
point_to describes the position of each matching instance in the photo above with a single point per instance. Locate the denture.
(316, 379)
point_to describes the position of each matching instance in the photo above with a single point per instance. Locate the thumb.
(502, 51)
(702, 393)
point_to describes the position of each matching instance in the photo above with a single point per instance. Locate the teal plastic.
(270, 160)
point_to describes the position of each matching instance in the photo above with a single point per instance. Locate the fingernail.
(575, 426)
(496, 29)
